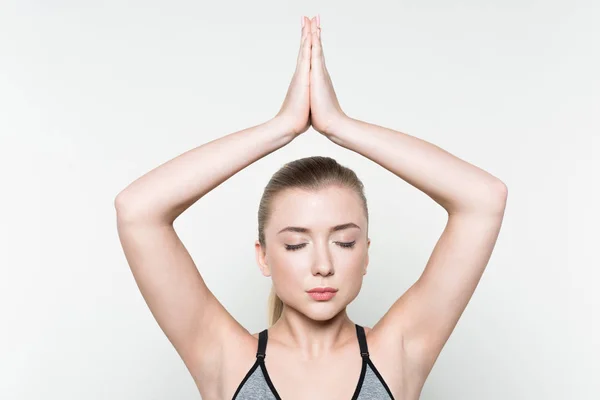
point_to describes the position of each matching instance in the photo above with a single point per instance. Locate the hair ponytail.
(275, 307)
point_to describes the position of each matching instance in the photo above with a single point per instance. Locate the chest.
(344, 377)
(334, 379)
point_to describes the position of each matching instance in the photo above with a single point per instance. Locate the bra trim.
(364, 351)
(380, 378)
(246, 377)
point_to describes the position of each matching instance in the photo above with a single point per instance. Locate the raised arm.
(192, 318)
(420, 322)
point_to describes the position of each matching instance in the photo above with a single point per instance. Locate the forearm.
(165, 192)
(451, 182)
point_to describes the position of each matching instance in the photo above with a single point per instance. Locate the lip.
(322, 290)
(321, 296)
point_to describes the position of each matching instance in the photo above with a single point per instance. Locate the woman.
(313, 242)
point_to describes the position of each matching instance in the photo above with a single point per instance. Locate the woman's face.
(304, 250)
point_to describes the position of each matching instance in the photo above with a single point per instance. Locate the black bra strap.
(360, 332)
(262, 344)
(362, 341)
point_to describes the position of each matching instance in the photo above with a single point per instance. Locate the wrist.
(337, 127)
(282, 127)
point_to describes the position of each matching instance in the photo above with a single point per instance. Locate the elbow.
(488, 199)
(122, 206)
(498, 197)
(502, 191)
(126, 208)
(132, 210)
(119, 202)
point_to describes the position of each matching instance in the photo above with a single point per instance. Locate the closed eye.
(293, 247)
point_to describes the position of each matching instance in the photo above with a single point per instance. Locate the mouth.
(321, 296)
(322, 293)
(322, 290)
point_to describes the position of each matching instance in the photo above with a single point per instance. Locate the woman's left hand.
(325, 109)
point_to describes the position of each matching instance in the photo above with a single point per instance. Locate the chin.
(316, 310)
(321, 311)
(321, 317)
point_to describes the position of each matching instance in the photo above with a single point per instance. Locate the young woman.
(313, 242)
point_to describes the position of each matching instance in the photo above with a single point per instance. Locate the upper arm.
(420, 322)
(191, 317)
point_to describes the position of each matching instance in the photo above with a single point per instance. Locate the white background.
(95, 94)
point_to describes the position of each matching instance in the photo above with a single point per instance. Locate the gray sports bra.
(257, 384)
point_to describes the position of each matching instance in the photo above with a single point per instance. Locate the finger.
(305, 28)
(303, 65)
(317, 48)
(304, 37)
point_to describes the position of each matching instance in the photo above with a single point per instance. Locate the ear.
(261, 259)
(367, 259)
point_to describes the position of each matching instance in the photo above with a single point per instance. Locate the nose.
(322, 264)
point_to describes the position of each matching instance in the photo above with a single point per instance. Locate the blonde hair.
(310, 173)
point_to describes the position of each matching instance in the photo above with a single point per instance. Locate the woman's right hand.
(295, 111)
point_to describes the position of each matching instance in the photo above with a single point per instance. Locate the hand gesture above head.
(295, 111)
(324, 106)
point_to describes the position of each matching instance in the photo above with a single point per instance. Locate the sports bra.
(257, 384)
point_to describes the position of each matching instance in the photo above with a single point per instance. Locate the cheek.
(289, 284)
(352, 274)
(285, 276)
(289, 273)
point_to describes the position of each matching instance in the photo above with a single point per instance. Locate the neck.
(312, 338)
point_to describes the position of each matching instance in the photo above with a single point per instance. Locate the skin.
(311, 99)
(313, 342)
(314, 327)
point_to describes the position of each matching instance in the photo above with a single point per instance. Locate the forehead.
(319, 209)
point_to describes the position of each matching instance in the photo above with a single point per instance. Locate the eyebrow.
(306, 230)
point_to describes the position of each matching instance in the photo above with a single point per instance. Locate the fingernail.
(318, 20)
(302, 20)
